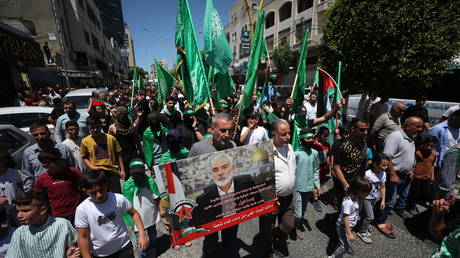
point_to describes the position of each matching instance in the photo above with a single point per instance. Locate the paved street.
(411, 239)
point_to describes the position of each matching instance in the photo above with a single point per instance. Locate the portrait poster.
(211, 192)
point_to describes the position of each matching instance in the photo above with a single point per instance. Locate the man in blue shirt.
(71, 114)
(448, 134)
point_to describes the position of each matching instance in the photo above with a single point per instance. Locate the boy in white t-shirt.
(142, 192)
(99, 222)
(253, 133)
(377, 177)
(359, 188)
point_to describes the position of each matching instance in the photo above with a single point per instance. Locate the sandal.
(386, 231)
(188, 244)
(176, 247)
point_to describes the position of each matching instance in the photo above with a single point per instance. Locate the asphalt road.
(412, 239)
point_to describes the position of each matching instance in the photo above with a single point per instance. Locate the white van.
(81, 98)
(435, 108)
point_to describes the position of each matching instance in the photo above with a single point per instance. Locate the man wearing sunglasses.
(32, 168)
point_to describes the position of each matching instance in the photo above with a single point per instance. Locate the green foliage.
(140, 71)
(391, 45)
(282, 58)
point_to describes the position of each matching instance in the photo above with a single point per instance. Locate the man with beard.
(32, 168)
(221, 133)
(174, 115)
(400, 147)
(71, 114)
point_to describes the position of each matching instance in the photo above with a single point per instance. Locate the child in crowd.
(6, 231)
(99, 222)
(73, 141)
(307, 175)
(421, 188)
(360, 187)
(377, 176)
(142, 192)
(41, 235)
(10, 184)
(60, 183)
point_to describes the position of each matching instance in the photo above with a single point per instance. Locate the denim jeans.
(301, 200)
(151, 250)
(367, 206)
(344, 244)
(393, 190)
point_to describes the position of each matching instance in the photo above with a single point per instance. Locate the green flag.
(189, 62)
(257, 48)
(165, 82)
(216, 48)
(136, 79)
(299, 88)
(224, 85)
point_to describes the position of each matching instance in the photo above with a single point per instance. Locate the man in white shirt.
(74, 142)
(311, 105)
(285, 167)
(253, 133)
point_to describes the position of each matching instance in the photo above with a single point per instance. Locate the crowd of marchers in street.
(86, 188)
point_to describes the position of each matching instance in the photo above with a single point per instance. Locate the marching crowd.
(84, 189)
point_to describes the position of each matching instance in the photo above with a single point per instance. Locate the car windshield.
(22, 120)
(81, 102)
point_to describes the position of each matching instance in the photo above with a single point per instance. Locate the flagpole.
(132, 95)
(211, 71)
(339, 73)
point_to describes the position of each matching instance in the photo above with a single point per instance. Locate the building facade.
(112, 19)
(285, 23)
(153, 72)
(128, 47)
(71, 36)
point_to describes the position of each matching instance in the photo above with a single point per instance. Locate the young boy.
(101, 151)
(99, 222)
(60, 183)
(142, 192)
(307, 175)
(74, 142)
(41, 235)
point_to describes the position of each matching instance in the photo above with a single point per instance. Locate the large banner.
(211, 192)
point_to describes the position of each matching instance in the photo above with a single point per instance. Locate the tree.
(398, 46)
(140, 71)
(282, 58)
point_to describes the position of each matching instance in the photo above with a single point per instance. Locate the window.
(303, 5)
(270, 20)
(301, 28)
(21, 120)
(95, 42)
(91, 14)
(285, 11)
(64, 32)
(87, 39)
(13, 140)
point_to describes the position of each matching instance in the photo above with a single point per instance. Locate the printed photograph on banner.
(211, 192)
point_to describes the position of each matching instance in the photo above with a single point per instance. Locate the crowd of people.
(84, 189)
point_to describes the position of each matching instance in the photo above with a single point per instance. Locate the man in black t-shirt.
(418, 110)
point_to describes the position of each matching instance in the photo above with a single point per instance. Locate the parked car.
(81, 98)
(16, 141)
(24, 117)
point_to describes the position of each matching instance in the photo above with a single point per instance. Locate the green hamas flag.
(216, 48)
(137, 80)
(257, 52)
(223, 84)
(299, 88)
(189, 62)
(165, 82)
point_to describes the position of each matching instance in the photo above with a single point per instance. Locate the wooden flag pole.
(295, 82)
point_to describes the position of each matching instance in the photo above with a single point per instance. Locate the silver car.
(16, 141)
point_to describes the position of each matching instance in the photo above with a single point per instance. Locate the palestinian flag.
(329, 94)
(98, 102)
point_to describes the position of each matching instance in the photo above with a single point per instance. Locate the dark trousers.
(125, 252)
(420, 191)
(268, 232)
(229, 242)
(114, 181)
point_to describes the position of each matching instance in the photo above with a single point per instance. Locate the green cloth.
(299, 87)
(257, 48)
(153, 147)
(307, 170)
(217, 51)
(271, 118)
(137, 80)
(169, 156)
(450, 246)
(189, 61)
(165, 82)
(132, 187)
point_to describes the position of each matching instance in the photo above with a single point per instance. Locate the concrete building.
(112, 19)
(128, 47)
(153, 73)
(79, 52)
(285, 22)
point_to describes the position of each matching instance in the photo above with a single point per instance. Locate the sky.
(159, 16)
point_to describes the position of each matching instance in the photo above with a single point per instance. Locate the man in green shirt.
(153, 140)
(175, 150)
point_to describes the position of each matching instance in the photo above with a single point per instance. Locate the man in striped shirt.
(41, 235)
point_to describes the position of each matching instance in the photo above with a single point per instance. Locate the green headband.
(189, 112)
(135, 163)
(222, 105)
(307, 135)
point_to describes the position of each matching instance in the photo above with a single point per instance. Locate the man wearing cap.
(222, 125)
(175, 150)
(143, 194)
(253, 133)
(191, 129)
(153, 140)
